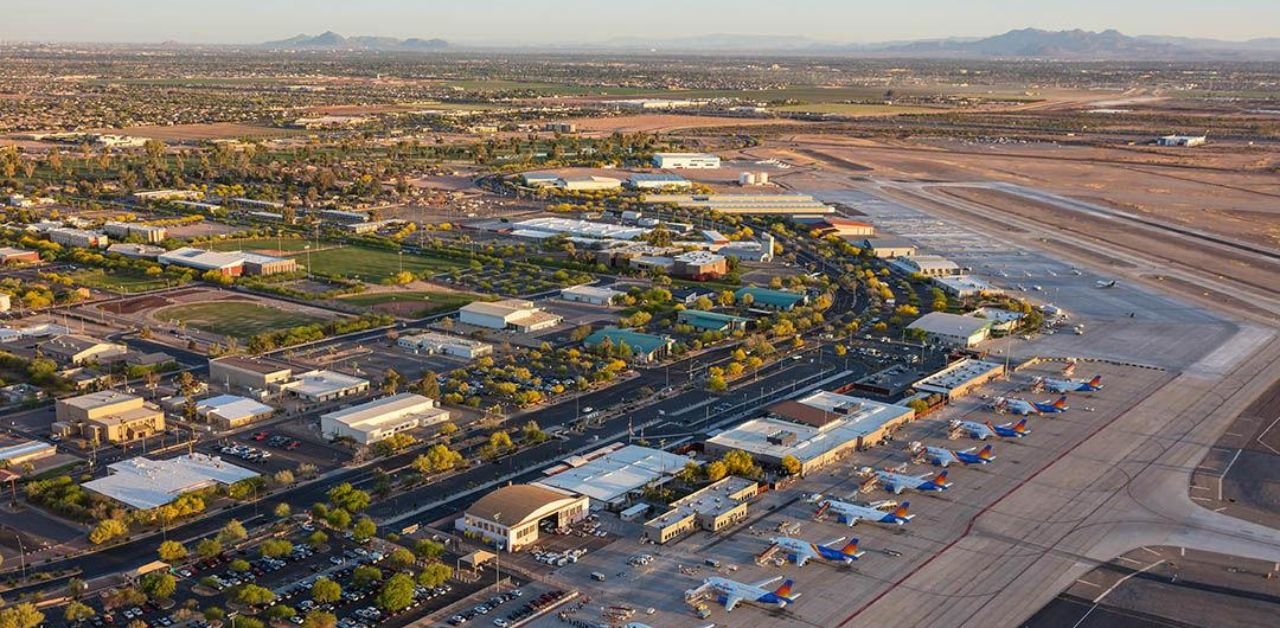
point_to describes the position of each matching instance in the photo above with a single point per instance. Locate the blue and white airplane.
(851, 514)
(943, 457)
(898, 482)
(731, 592)
(983, 431)
(800, 551)
(1072, 385)
(1024, 407)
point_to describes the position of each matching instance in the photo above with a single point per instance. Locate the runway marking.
(1264, 433)
(1232, 434)
(1153, 552)
(1121, 581)
(1136, 562)
(1201, 499)
(1226, 471)
(1088, 583)
(1085, 616)
(1203, 488)
(1220, 509)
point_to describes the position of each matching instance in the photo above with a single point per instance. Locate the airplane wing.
(766, 582)
(731, 601)
(968, 451)
(835, 541)
(803, 557)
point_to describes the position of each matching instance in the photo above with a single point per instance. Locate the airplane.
(731, 592)
(942, 456)
(1024, 407)
(983, 431)
(800, 551)
(1105, 284)
(851, 514)
(898, 482)
(1073, 385)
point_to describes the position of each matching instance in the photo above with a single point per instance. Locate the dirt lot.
(663, 123)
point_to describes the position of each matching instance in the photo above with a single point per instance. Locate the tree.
(339, 518)
(282, 510)
(24, 615)
(439, 458)
(319, 619)
(208, 548)
(348, 498)
(317, 539)
(401, 558)
(533, 433)
(429, 385)
(159, 585)
(738, 462)
(326, 591)
(275, 548)
(108, 530)
(499, 443)
(233, 532)
(254, 595)
(76, 612)
(238, 564)
(716, 470)
(919, 405)
(397, 594)
(281, 611)
(435, 575)
(76, 588)
(791, 465)
(448, 428)
(427, 549)
(364, 529)
(171, 550)
(391, 380)
(365, 575)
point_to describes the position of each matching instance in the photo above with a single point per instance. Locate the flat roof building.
(657, 181)
(110, 416)
(229, 264)
(712, 321)
(27, 451)
(1001, 319)
(78, 238)
(769, 299)
(147, 233)
(432, 343)
(260, 265)
(228, 412)
(613, 479)
(960, 378)
(593, 295)
(10, 255)
(713, 508)
(588, 183)
(888, 247)
(144, 484)
(927, 265)
(79, 349)
(686, 160)
(540, 179)
(835, 426)
(762, 204)
(580, 228)
(377, 420)
(699, 265)
(965, 286)
(508, 517)
(136, 251)
(952, 329)
(832, 225)
(644, 347)
(320, 385)
(251, 374)
(523, 316)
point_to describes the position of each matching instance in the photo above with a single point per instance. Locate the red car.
(261, 436)
(293, 444)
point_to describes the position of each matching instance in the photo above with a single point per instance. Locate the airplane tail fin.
(850, 548)
(1020, 426)
(1096, 382)
(901, 512)
(941, 478)
(784, 591)
(986, 453)
(1061, 402)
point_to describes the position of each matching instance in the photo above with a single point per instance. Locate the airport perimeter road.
(1124, 487)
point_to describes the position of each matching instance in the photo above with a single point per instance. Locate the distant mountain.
(330, 40)
(1031, 42)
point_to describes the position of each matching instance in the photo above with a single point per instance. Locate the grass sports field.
(266, 244)
(240, 319)
(413, 304)
(371, 265)
(120, 281)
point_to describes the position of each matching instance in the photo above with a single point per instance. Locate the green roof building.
(644, 347)
(712, 321)
(766, 298)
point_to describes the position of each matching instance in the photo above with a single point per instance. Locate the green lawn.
(857, 109)
(372, 265)
(267, 244)
(240, 319)
(123, 282)
(429, 301)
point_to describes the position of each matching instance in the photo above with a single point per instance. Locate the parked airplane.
(943, 457)
(1072, 385)
(898, 482)
(1105, 284)
(731, 592)
(983, 431)
(851, 514)
(1024, 407)
(800, 551)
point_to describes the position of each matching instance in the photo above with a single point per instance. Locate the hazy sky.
(568, 21)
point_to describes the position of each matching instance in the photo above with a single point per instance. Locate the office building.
(109, 416)
(433, 343)
(685, 160)
(523, 316)
(378, 420)
(952, 329)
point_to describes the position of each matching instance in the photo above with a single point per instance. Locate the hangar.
(509, 517)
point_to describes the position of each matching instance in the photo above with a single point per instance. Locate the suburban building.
(593, 295)
(887, 247)
(1182, 140)
(832, 225)
(318, 386)
(228, 264)
(713, 508)
(79, 349)
(10, 255)
(816, 430)
(15, 456)
(342, 216)
(657, 181)
(965, 286)
(252, 374)
(588, 183)
(747, 251)
(144, 484)
(712, 321)
(227, 412)
(685, 160)
(927, 265)
(508, 517)
(518, 314)
(431, 343)
(109, 416)
(960, 378)
(136, 251)
(1001, 319)
(762, 204)
(540, 179)
(769, 299)
(377, 420)
(952, 329)
(168, 195)
(124, 230)
(580, 228)
(255, 264)
(699, 265)
(644, 347)
(613, 478)
(81, 238)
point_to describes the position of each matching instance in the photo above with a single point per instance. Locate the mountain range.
(1029, 43)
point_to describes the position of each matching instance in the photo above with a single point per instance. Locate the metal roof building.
(144, 484)
(952, 329)
(613, 477)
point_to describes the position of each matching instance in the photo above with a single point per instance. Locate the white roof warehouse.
(376, 420)
(145, 484)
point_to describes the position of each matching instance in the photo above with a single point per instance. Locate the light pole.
(497, 556)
